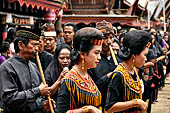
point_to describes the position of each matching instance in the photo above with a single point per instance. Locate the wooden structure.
(86, 7)
(88, 12)
(90, 19)
(24, 13)
(22, 10)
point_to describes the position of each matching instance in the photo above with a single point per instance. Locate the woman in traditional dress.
(78, 93)
(124, 90)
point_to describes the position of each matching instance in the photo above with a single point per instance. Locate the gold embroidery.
(84, 93)
(132, 88)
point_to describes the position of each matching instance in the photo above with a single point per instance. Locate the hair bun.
(124, 53)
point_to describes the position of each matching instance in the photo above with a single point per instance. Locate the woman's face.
(141, 58)
(166, 38)
(93, 57)
(64, 58)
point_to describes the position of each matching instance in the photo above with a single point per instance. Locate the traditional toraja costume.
(123, 87)
(76, 92)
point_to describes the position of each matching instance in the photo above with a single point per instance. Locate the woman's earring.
(133, 63)
(82, 65)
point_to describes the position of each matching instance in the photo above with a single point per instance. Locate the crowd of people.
(90, 70)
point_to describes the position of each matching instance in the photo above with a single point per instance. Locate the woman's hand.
(93, 109)
(109, 74)
(143, 105)
(62, 74)
(85, 109)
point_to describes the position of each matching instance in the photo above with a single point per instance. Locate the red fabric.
(152, 85)
(43, 4)
(4, 35)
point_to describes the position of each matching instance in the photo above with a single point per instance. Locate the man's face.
(28, 51)
(49, 43)
(68, 34)
(108, 39)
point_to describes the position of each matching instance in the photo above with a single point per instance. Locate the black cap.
(28, 33)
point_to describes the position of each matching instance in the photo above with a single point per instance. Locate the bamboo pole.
(113, 55)
(43, 80)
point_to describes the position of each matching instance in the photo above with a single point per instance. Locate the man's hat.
(28, 33)
(105, 27)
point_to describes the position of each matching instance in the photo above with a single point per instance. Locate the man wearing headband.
(50, 41)
(20, 87)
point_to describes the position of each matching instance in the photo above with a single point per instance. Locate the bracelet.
(85, 110)
(135, 102)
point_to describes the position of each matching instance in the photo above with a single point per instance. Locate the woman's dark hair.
(81, 41)
(121, 36)
(23, 40)
(11, 35)
(117, 41)
(4, 47)
(134, 43)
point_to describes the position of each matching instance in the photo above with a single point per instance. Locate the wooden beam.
(56, 1)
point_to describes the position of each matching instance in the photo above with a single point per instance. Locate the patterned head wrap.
(105, 27)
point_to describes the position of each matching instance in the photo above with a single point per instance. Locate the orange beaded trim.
(96, 42)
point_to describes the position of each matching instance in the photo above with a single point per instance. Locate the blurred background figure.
(166, 37)
(59, 30)
(59, 37)
(116, 46)
(10, 38)
(69, 31)
(4, 51)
